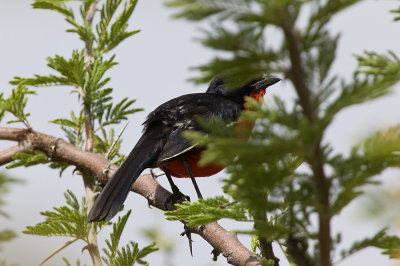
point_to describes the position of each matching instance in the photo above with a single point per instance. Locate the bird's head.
(254, 88)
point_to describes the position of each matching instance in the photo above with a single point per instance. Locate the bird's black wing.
(181, 114)
(161, 139)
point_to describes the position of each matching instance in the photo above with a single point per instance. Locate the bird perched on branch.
(162, 144)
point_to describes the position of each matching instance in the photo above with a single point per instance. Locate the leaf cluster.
(70, 221)
(86, 71)
(35, 158)
(390, 245)
(273, 167)
(207, 211)
(111, 30)
(130, 253)
(15, 105)
(5, 182)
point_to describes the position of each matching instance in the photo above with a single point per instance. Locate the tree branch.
(221, 240)
(7, 155)
(321, 184)
(297, 252)
(267, 251)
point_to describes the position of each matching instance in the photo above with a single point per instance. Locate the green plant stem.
(66, 244)
(92, 247)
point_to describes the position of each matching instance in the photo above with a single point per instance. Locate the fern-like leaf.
(206, 211)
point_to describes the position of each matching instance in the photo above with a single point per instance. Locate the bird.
(162, 144)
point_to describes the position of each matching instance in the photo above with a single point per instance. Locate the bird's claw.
(177, 197)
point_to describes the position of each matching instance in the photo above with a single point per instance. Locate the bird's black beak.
(264, 82)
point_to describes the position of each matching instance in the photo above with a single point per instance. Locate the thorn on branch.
(155, 175)
(188, 233)
(215, 254)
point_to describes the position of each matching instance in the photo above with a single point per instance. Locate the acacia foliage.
(283, 173)
(85, 72)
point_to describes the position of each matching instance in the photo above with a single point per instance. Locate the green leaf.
(28, 159)
(128, 254)
(357, 92)
(84, 31)
(73, 128)
(372, 63)
(112, 34)
(115, 114)
(198, 10)
(206, 211)
(390, 245)
(77, 263)
(71, 72)
(68, 220)
(15, 104)
(55, 5)
(146, 251)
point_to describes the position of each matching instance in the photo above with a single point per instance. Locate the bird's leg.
(196, 187)
(175, 189)
(177, 196)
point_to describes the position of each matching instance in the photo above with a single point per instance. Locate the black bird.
(162, 144)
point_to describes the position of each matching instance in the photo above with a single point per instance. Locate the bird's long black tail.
(115, 192)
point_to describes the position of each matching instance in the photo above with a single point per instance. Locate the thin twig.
(155, 175)
(228, 204)
(115, 142)
(66, 244)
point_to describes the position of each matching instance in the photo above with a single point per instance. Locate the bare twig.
(155, 175)
(221, 240)
(66, 244)
(116, 140)
(228, 204)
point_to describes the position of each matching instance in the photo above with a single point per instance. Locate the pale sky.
(154, 67)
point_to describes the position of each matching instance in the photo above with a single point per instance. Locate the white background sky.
(154, 67)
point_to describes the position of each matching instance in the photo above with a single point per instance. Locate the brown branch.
(267, 251)
(7, 155)
(296, 74)
(321, 184)
(221, 240)
(297, 252)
